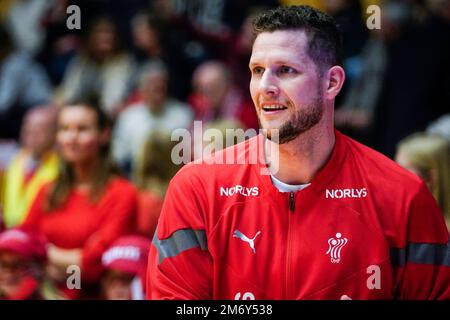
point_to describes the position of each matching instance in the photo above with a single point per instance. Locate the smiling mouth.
(274, 108)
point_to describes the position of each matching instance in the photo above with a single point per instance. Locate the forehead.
(37, 118)
(76, 114)
(210, 74)
(282, 45)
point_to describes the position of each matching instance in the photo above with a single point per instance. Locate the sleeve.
(422, 268)
(180, 265)
(120, 219)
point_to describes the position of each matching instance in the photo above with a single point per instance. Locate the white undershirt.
(284, 187)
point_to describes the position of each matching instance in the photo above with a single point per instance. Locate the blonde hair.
(154, 167)
(431, 153)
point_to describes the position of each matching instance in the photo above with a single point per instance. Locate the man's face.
(38, 133)
(285, 85)
(213, 85)
(155, 89)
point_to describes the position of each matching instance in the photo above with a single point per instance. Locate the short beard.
(303, 120)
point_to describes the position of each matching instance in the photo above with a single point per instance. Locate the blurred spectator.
(102, 68)
(35, 164)
(152, 43)
(347, 14)
(147, 36)
(204, 14)
(158, 112)
(22, 265)
(22, 84)
(209, 142)
(125, 264)
(215, 97)
(236, 11)
(428, 157)
(440, 127)
(24, 23)
(198, 31)
(355, 116)
(415, 86)
(241, 50)
(152, 174)
(89, 205)
(60, 43)
(232, 46)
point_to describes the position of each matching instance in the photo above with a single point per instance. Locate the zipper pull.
(291, 202)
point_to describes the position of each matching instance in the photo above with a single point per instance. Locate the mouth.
(273, 108)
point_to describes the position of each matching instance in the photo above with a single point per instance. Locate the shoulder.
(379, 169)
(174, 105)
(135, 110)
(17, 62)
(121, 187)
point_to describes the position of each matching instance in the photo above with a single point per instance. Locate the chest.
(310, 250)
(71, 225)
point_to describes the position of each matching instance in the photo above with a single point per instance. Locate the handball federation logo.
(335, 246)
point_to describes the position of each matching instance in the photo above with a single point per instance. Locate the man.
(23, 84)
(337, 220)
(35, 164)
(215, 98)
(158, 112)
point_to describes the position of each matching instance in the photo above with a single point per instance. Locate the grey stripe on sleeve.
(179, 241)
(421, 253)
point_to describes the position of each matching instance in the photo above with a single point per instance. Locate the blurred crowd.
(86, 118)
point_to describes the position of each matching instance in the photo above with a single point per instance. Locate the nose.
(68, 136)
(268, 84)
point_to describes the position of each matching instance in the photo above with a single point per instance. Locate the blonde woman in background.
(428, 156)
(153, 171)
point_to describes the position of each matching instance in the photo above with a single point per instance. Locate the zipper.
(291, 202)
(288, 250)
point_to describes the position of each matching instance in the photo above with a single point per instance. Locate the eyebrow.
(278, 62)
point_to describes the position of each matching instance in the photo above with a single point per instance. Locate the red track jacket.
(364, 229)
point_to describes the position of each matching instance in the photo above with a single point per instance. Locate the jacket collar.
(323, 177)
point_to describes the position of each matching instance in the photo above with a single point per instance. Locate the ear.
(334, 77)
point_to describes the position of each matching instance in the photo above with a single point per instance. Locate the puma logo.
(243, 237)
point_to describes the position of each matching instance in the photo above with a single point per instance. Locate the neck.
(301, 159)
(156, 108)
(83, 174)
(154, 51)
